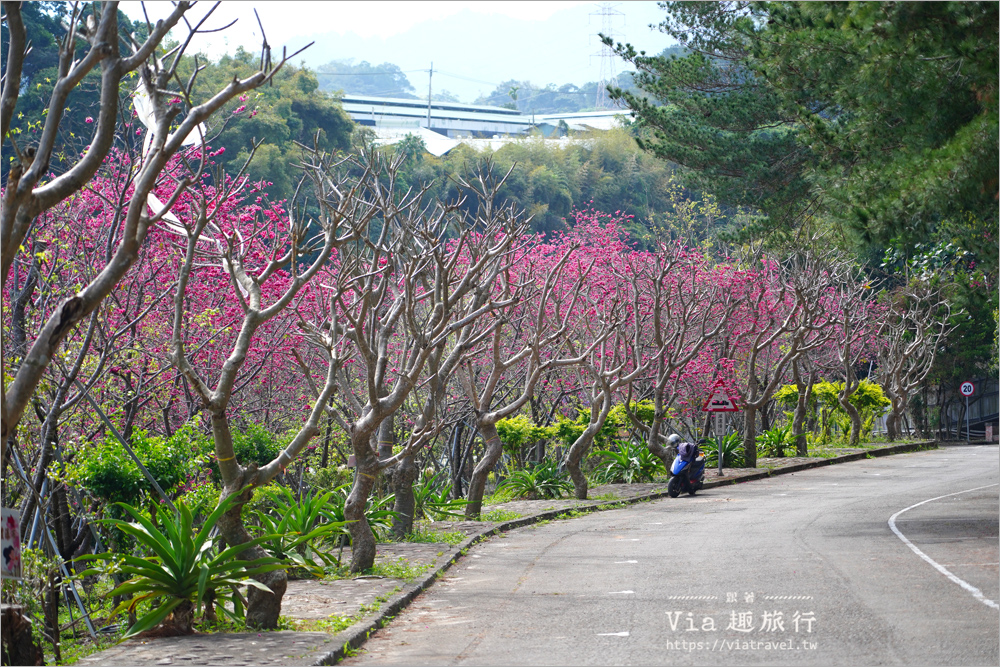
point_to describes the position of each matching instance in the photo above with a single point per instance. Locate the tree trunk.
(665, 454)
(750, 436)
(844, 398)
(801, 410)
(263, 608)
(765, 418)
(574, 457)
(892, 425)
(325, 461)
(855, 416)
(477, 485)
(457, 461)
(385, 440)
(403, 475)
(362, 537)
(19, 646)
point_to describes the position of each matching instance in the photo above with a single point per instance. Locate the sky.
(474, 46)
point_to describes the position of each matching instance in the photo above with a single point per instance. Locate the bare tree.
(408, 297)
(850, 298)
(687, 310)
(914, 325)
(803, 395)
(297, 258)
(525, 340)
(610, 367)
(791, 317)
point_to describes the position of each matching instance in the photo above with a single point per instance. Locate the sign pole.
(968, 434)
(720, 427)
(967, 389)
(719, 402)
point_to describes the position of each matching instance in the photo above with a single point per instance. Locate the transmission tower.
(609, 14)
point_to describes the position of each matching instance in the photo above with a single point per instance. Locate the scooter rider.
(688, 469)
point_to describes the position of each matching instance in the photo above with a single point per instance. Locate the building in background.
(445, 125)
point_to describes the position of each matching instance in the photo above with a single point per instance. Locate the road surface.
(798, 569)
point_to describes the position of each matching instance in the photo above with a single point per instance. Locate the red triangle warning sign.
(721, 399)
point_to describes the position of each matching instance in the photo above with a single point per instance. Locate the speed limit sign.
(967, 389)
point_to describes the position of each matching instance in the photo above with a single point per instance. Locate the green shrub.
(567, 431)
(328, 479)
(296, 526)
(253, 444)
(377, 513)
(519, 430)
(732, 451)
(774, 442)
(545, 480)
(108, 473)
(630, 464)
(202, 499)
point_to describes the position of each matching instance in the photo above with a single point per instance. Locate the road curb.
(355, 636)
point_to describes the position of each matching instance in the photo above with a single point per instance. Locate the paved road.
(798, 569)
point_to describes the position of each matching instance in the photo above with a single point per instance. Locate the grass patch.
(74, 649)
(333, 624)
(500, 496)
(431, 536)
(499, 515)
(398, 569)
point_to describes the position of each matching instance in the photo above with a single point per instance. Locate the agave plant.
(630, 464)
(303, 523)
(543, 481)
(732, 451)
(433, 501)
(184, 568)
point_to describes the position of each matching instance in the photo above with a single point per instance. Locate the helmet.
(674, 439)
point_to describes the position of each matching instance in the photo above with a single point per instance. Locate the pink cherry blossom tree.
(33, 189)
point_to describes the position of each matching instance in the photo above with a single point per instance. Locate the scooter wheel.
(674, 487)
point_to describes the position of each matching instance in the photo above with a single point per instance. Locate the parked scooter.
(688, 469)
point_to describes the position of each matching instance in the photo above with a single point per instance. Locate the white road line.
(976, 593)
(612, 634)
(622, 562)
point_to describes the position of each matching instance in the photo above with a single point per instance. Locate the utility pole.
(430, 77)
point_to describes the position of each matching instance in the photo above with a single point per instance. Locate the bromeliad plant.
(545, 480)
(304, 523)
(632, 463)
(184, 570)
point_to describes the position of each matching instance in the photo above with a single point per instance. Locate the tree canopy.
(291, 110)
(878, 120)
